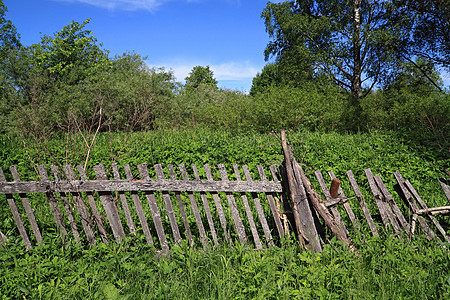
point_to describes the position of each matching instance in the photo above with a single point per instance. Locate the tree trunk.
(356, 84)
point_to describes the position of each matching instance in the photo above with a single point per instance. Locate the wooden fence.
(210, 211)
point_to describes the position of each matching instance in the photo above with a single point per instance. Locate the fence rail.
(173, 208)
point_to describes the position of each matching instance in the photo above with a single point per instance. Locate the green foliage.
(200, 76)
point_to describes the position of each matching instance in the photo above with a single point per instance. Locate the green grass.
(385, 268)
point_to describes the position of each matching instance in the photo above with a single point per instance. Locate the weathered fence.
(204, 210)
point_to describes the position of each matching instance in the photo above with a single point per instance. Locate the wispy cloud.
(237, 74)
(129, 5)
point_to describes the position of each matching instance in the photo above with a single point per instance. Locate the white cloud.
(232, 75)
(222, 71)
(130, 5)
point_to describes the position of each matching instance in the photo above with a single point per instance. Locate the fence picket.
(26, 205)
(207, 208)
(67, 208)
(59, 220)
(16, 215)
(248, 212)
(138, 207)
(181, 207)
(123, 200)
(219, 208)
(79, 203)
(154, 209)
(109, 206)
(93, 206)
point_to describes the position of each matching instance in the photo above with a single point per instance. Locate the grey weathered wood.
(391, 201)
(379, 200)
(3, 239)
(248, 212)
(259, 210)
(26, 205)
(285, 207)
(181, 207)
(169, 207)
(198, 218)
(67, 208)
(79, 204)
(16, 215)
(307, 219)
(123, 200)
(218, 204)
(273, 207)
(59, 220)
(334, 210)
(346, 205)
(362, 203)
(424, 206)
(110, 207)
(239, 227)
(154, 209)
(138, 207)
(445, 187)
(207, 208)
(408, 198)
(93, 206)
(140, 185)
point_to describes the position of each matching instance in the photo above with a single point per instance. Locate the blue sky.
(227, 35)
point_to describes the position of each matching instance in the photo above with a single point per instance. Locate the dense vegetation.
(65, 100)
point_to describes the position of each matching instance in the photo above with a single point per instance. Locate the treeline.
(69, 83)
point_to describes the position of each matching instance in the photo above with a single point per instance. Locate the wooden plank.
(207, 208)
(445, 187)
(57, 216)
(408, 198)
(238, 225)
(379, 201)
(346, 205)
(259, 210)
(169, 207)
(306, 215)
(123, 200)
(273, 207)
(391, 201)
(81, 208)
(218, 204)
(16, 215)
(93, 206)
(181, 207)
(110, 207)
(334, 210)
(424, 206)
(284, 208)
(154, 209)
(3, 239)
(198, 218)
(138, 206)
(67, 208)
(26, 205)
(140, 185)
(362, 203)
(248, 212)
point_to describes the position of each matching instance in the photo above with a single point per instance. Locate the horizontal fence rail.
(210, 206)
(167, 210)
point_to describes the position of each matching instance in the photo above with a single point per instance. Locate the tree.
(427, 23)
(345, 40)
(9, 45)
(200, 75)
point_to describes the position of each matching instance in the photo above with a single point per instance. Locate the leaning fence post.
(306, 230)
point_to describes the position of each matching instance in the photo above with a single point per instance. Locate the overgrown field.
(385, 268)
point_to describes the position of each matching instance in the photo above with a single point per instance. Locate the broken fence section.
(180, 204)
